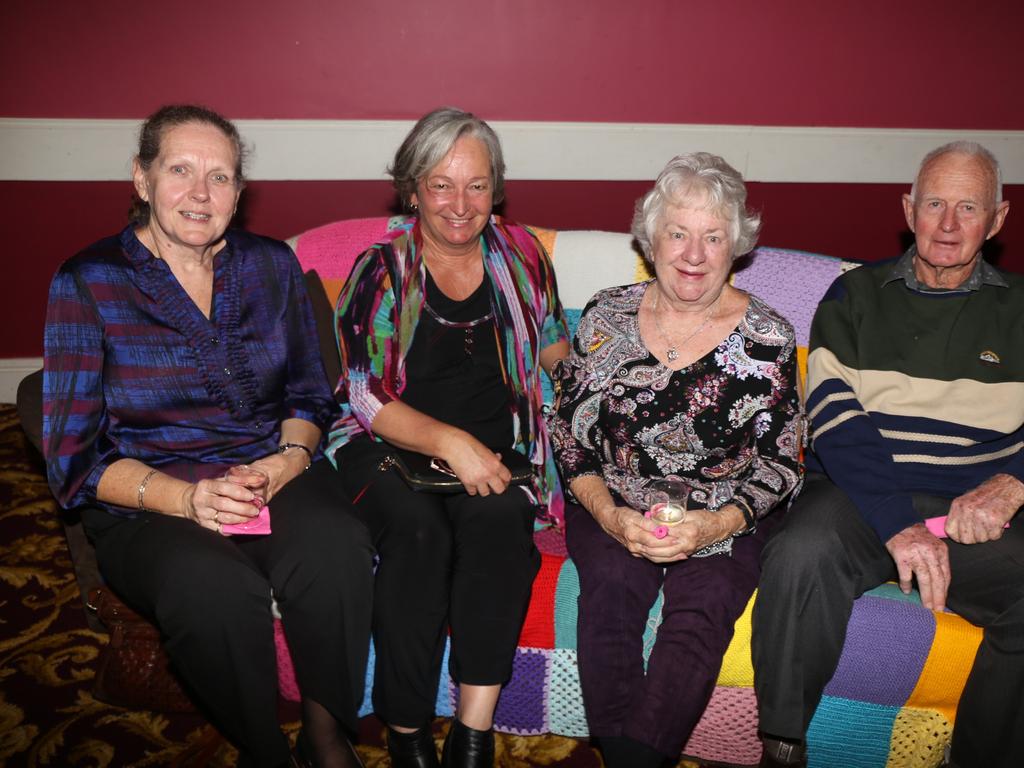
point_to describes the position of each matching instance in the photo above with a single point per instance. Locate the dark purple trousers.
(703, 598)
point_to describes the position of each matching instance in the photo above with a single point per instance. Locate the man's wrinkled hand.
(917, 552)
(980, 514)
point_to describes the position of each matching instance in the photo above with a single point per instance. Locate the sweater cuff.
(891, 515)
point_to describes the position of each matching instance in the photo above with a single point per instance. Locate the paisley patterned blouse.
(729, 424)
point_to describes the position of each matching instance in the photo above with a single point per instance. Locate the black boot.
(466, 747)
(412, 750)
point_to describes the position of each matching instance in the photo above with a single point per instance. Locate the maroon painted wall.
(879, 63)
(875, 63)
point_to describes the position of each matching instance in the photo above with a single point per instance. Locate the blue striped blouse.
(133, 369)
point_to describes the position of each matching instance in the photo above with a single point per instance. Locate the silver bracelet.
(142, 490)
(309, 454)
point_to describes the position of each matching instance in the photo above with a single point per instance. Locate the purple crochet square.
(890, 637)
(791, 282)
(521, 706)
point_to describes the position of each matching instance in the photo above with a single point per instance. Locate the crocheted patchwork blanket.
(892, 700)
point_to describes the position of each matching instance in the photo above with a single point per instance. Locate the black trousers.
(822, 557)
(466, 559)
(210, 597)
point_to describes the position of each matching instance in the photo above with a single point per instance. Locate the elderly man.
(916, 403)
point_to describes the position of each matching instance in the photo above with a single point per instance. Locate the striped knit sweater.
(912, 392)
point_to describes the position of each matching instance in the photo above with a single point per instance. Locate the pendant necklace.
(672, 351)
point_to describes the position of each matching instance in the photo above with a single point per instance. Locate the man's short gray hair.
(693, 174)
(971, 149)
(432, 138)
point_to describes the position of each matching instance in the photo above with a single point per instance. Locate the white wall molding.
(99, 150)
(12, 371)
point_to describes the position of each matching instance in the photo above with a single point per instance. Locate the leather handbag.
(134, 670)
(432, 475)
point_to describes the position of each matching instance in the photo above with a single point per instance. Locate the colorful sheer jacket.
(376, 318)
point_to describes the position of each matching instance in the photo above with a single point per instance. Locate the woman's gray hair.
(432, 138)
(698, 174)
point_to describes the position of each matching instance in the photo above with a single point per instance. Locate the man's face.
(953, 214)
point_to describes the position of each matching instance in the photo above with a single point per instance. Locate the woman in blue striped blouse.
(177, 350)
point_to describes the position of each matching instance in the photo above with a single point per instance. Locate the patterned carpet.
(48, 659)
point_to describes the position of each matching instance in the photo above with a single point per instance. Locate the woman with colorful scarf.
(443, 331)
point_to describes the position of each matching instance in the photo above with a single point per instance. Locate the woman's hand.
(478, 468)
(702, 528)
(216, 502)
(637, 534)
(281, 468)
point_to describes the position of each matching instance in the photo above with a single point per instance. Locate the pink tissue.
(257, 525)
(937, 525)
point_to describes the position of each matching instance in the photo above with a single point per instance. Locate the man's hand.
(919, 553)
(979, 515)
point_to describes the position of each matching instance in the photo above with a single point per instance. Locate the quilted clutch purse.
(432, 475)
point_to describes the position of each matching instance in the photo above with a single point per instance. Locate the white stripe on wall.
(12, 371)
(99, 150)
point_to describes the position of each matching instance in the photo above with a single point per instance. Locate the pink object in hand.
(257, 525)
(661, 532)
(256, 480)
(937, 525)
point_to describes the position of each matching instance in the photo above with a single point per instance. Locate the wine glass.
(253, 478)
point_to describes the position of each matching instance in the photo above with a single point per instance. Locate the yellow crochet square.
(947, 666)
(737, 669)
(919, 738)
(643, 270)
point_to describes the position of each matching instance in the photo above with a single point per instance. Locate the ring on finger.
(216, 519)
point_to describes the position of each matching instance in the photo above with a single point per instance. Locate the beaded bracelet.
(309, 454)
(142, 490)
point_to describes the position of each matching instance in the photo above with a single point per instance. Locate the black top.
(453, 371)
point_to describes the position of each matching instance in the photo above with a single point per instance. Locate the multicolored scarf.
(378, 311)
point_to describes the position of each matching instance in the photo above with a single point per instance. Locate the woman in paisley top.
(685, 378)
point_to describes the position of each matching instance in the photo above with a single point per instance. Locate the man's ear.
(997, 223)
(908, 211)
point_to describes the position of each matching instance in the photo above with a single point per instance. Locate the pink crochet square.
(332, 248)
(286, 682)
(727, 732)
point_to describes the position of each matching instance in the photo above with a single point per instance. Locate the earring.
(413, 207)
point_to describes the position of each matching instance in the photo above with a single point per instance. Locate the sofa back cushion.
(585, 261)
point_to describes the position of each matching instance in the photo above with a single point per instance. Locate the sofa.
(893, 698)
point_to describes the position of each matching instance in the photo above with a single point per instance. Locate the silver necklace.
(467, 326)
(672, 351)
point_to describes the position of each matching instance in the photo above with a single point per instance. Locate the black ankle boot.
(412, 750)
(466, 747)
